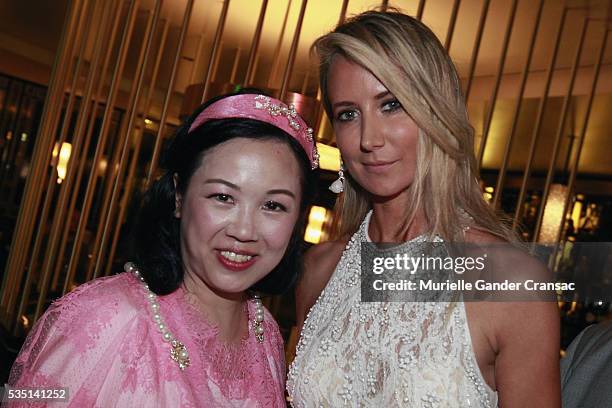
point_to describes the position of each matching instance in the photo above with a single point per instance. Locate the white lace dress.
(383, 354)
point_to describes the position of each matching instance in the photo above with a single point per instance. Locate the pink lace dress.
(100, 341)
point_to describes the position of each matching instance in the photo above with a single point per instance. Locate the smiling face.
(238, 213)
(375, 135)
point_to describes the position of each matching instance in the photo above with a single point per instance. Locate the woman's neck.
(389, 221)
(226, 311)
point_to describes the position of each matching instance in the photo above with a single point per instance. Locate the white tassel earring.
(338, 185)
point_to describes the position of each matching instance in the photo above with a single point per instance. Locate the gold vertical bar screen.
(343, 11)
(133, 108)
(137, 145)
(498, 79)
(476, 49)
(566, 103)
(451, 25)
(538, 123)
(58, 220)
(292, 52)
(279, 44)
(253, 53)
(82, 159)
(41, 157)
(582, 135)
(420, 10)
(116, 171)
(79, 135)
(216, 50)
(104, 131)
(164, 113)
(50, 189)
(80, 122)
(198, 57)
(517, 109)
(33, 190)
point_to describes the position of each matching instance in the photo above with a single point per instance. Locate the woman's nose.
(372, 134)
(242, 226)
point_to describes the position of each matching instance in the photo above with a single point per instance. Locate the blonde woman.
(401, 125)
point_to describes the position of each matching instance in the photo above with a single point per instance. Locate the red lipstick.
(235, 266)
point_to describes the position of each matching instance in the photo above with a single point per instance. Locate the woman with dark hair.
(184, 325)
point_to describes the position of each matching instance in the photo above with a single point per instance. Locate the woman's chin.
(230, 290)
(381, 189)
(381, 194)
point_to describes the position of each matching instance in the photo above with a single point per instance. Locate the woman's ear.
(177, 197)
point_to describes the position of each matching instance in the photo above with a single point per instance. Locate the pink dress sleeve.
(87, 341)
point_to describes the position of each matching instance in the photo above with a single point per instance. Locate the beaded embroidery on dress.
(388, 354)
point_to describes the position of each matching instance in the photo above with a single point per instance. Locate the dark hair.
(156, 233)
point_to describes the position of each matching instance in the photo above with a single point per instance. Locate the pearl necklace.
(178, 351)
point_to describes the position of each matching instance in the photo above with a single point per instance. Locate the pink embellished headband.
(264, 109)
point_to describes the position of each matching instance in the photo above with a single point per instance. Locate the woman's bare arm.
(524, 335)
(527, 364)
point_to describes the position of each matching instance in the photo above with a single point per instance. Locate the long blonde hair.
(404, 55)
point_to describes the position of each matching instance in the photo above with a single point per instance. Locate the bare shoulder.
(319, 264)
(513, 261)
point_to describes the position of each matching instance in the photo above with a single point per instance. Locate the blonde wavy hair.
(408, 59)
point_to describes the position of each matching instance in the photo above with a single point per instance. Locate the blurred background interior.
(90, 90)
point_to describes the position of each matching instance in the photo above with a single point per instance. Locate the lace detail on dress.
(241, 370)
(137, 356)
(392, 354)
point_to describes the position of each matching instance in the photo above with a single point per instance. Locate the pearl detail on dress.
(178, 351)
(259, 318)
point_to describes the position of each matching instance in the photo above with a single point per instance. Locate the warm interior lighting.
(553, 213)
(62, 163)
(25, 321)
(329, 157)
(488, 193)
(148, 122)
(102, 165)
(316, 219)
(577, 211)
(24, 137)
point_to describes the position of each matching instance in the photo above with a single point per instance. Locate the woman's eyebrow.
(382, 94)
(235, 187)
(379, 95)
(221, 181)
(342, 103)
(281, 191)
